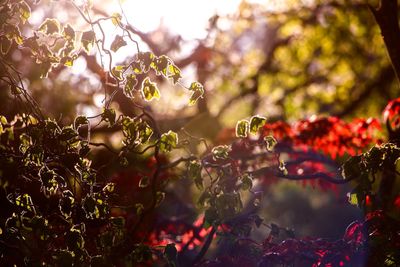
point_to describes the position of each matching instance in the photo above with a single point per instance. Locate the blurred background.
(286, 60)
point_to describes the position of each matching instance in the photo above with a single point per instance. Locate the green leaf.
(144, 182)
(5, 45)
(194, 172)
(13, 32)
(256, 122)
(131, 81)
(117, 72)
(174, 73)
(198, 92)
(160, 65)
(168, 141)
(118, 43)
(139, 208)
(66, 203)
(146, 59)
(221, 152)
(149, 90)
(88, 39)
(69, 33)
(116, 18)
(282, 167)
(242, 127)
(25, 11)
(74, 239)
(109, 188)
(50, 26)
(353, 199)
(136, 67)
(270, 142)
(247, 181)
(145, 132)
(79, 121)
(109, 116)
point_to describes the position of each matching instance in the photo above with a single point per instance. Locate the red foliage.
(330, 135)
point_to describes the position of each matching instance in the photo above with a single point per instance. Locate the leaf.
(160, 196)
(220, 152)
(194, 172)
(109, 116)
(168, 141)
(149, 90)
(242, 127)
(69, 33)
(171, 254)
(87, 40)
(131, 81)
(136, 67)
(25, 11)
(282, 168)
(118, 43)
(198, 92)
(271, 142)
(146, 59)
(50, 26)
(109, 188)
(160, 65)
(139, 208)
(174, 73)
(116, 18)
(256, 122)
(79, 121)
(145, 132)
(144, 182)
(13, 32)
(117, 72)
(5, 45)
(247, 181)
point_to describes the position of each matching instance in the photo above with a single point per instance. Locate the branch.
(387, 18)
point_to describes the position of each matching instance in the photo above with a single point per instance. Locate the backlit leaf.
(221, 152)
(69, 32)
(242, 127)
(25, 11)
(131, 81)
(109, 116)
(270, 142)
(116, 19)
(256, 122)
(149, 90)
(174, 73)
(117, 43)
(168, 141)
(198, 92)
(50, 26)
(117, 72)
(87, 40)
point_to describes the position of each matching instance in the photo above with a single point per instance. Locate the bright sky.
(188, 18)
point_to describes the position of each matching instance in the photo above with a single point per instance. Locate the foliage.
(73, 196)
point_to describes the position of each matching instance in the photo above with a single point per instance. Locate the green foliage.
(168, 141)
(242, 128)
(149, 90)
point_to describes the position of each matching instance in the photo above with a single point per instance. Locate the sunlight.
(186, 18)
